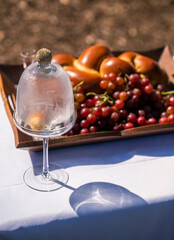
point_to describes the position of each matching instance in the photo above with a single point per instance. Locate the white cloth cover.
(116, 190)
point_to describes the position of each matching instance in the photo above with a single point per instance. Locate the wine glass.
(28, 56)
(45, 109)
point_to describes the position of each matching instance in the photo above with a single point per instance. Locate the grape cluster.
(168, 115)
(125, 101)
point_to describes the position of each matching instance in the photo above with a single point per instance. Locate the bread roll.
(98, 60)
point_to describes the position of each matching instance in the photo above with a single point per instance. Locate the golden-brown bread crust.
(85, 68)
(141, 63)
(64, 59)
(98, 60)
(115, 65)
(146, 66)
(93, 56)
(90, 79)
(128, 57)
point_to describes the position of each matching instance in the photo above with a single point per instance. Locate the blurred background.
(70, 26)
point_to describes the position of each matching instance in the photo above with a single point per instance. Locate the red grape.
(84, 112)
(93, 129)
(106, 111)
(134, 78)
(123, 113)
(119, 104)
(129, 93)
(163, 120)
(90, 103)
(141, 121)
(112, 76)
(148, 88)
(154, 97)
(134, 101)
(106, 76)
(145, 81)
(111, 85)
(170, 110)
(152, 121)
(84, 123)
(116, 94)
(76, 127)
(84, 131)
(171, 101)
(132, 117)
(97, 111)
(70, 133)
(128, 125)
(103, 84)
(80, 89)
(160, 87)
(160, 97)
(164, 114)
(83, 105)
(136, 91)
(96, 98)
(120, 80)
(117, 127)
(123, 96)
(115, 116)
(79, 97)
(100, 103)
(171, 118)
(141, 113)
(114, 109)
(135, 98)
(77, 105)
(131, 85)
(91, 118)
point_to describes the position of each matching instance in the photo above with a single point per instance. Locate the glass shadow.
(100, 197)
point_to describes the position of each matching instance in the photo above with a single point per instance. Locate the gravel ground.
(70, 26)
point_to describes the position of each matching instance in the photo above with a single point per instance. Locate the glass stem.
(45, 158)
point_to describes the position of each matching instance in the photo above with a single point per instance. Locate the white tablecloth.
(116, 190)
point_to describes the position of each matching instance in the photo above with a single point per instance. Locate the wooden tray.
(9, 77)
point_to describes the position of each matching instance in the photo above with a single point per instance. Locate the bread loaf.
(98, 60)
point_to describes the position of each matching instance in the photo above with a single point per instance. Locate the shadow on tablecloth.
(100, 197)
(155, 221)
(110, 152)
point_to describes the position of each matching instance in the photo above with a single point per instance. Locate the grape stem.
(167, 93)
(91, 93)
(105, 97)
(78, 85)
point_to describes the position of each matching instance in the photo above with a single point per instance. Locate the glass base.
(56, 178)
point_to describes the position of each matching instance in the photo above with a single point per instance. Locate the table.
(116, 190)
